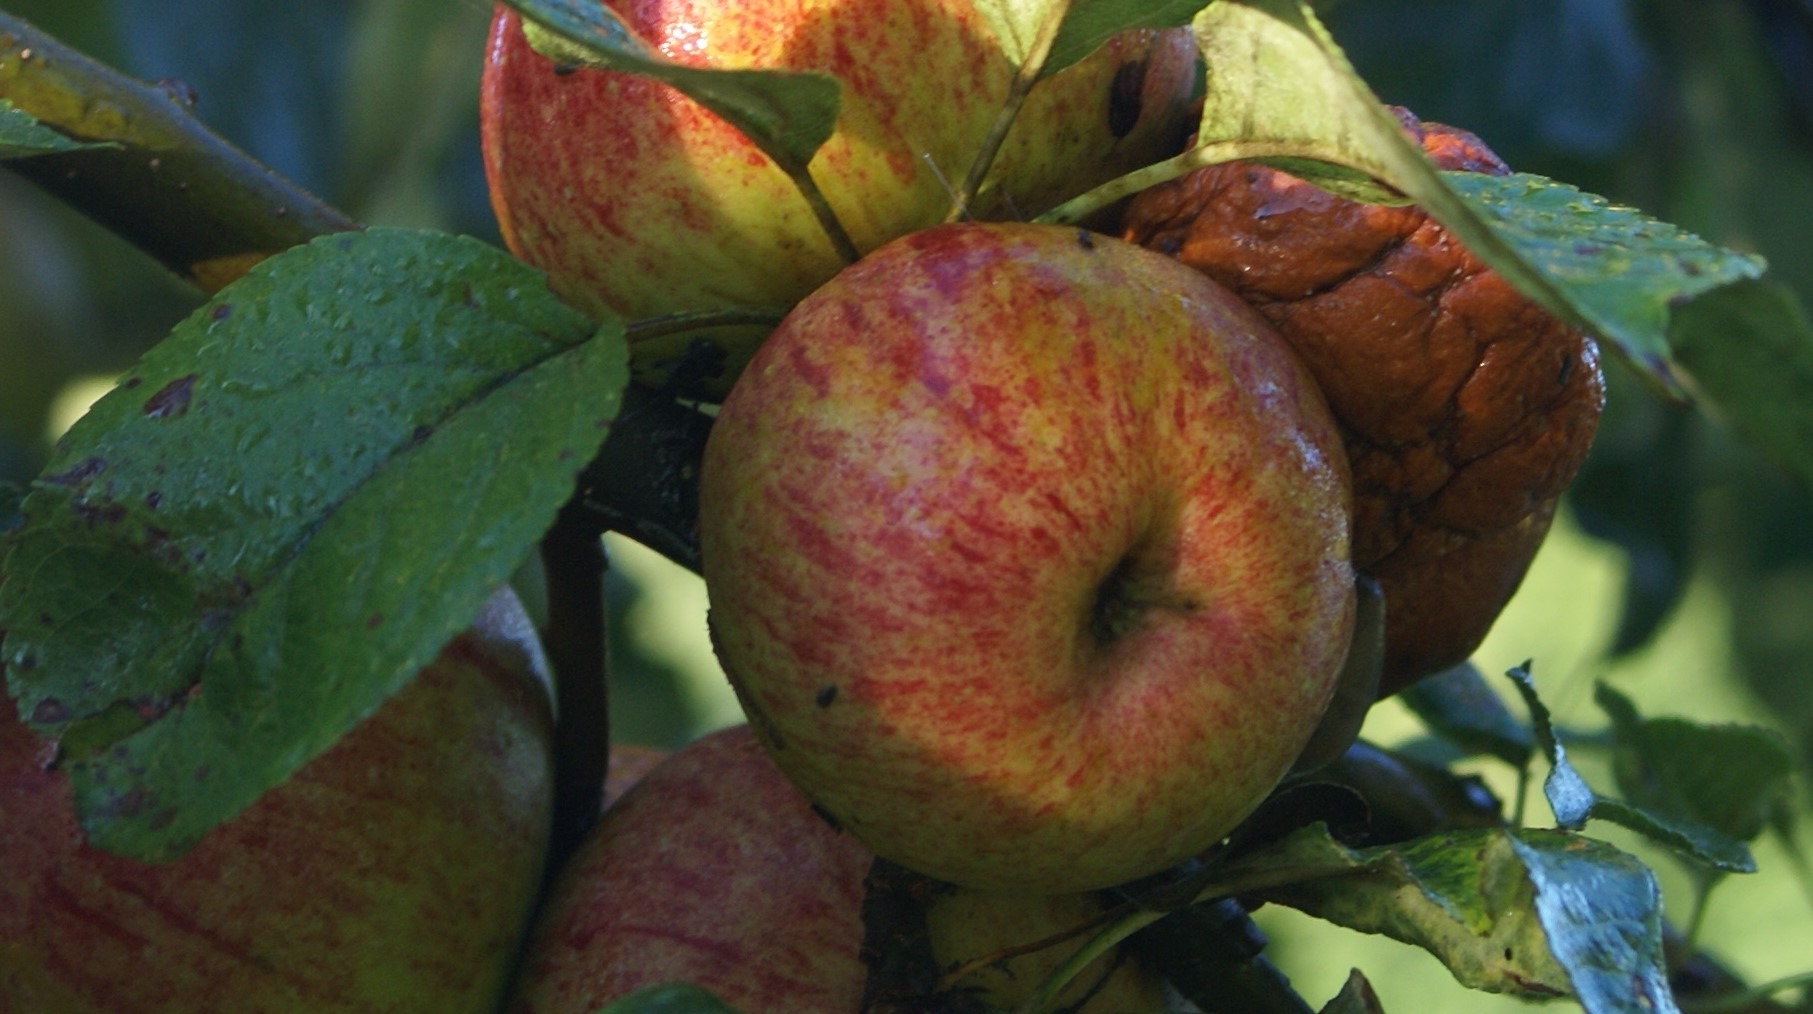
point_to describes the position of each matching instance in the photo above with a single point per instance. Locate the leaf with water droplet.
(191, 588)
(1280, 90)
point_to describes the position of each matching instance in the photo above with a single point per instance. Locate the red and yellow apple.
(638, 201)
(1027, 552)
(713, 870)
(395, 872)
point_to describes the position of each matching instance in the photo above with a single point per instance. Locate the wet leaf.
(1621, 273)
(1280, 90)
(283, 511)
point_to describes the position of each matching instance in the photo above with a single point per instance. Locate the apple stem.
(1024, 79)
(646, 328)
(956, 975)
(822, 210)
(1105, 940)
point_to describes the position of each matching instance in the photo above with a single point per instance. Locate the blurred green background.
(1682, 569)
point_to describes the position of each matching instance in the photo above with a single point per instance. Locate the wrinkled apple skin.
(638, 201)
(395, 872)
(1028, 555)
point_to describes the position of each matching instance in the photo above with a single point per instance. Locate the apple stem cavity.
(1024, 79)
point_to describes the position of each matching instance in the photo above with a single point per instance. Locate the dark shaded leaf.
(1749, 348)
(1356, 997)
(1460, 707)
(1728, 778)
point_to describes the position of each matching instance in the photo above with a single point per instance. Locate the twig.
(575, 637)
(165, 182)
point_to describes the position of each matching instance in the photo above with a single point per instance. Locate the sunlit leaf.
(1620, 271)
(1464, 897)
(283, 511)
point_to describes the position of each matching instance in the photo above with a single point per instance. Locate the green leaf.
(1749, 349)
(1537, 913)
(283, 511)
(1687, 838)
(1281, 90)
(670, 999)
(1460, 707)
(22, 136)
(1086, 25)
(1620, 272)
(1575, 802)
(1462, 896)
(1727, 778)
(1567, 792)
(788, 114)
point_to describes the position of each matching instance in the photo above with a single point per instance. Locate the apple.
(638, 201)
(714, 870)
(1027, 555)
(395, 872)
(710, 869)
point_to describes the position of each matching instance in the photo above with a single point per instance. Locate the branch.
(166, 183)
